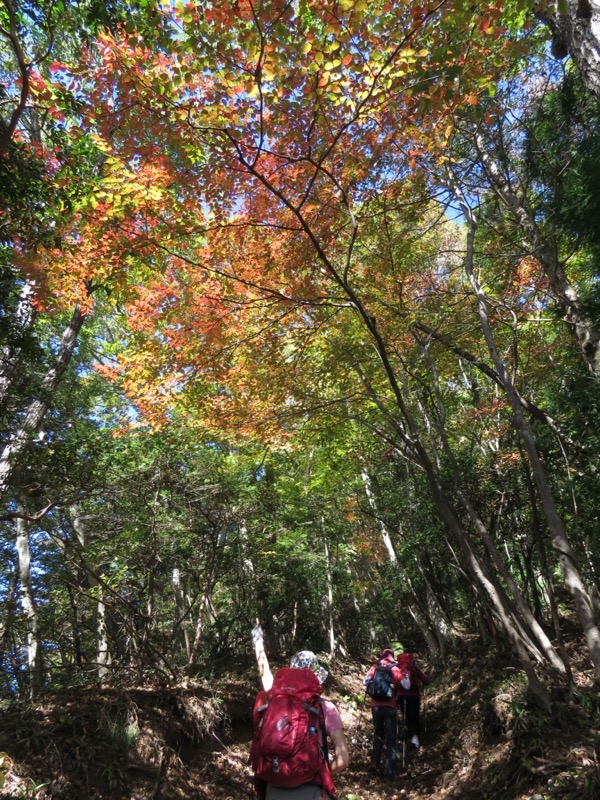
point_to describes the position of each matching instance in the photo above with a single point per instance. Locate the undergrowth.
(482, 738)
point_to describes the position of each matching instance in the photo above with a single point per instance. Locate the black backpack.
(381, 685)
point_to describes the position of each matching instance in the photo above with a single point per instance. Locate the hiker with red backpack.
(290, 752)
(382, 682)
(409, 695)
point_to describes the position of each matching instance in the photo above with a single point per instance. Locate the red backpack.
(289, 747)
(406, 663)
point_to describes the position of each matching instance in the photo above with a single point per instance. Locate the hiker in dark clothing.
(382, 682)
(409, 696)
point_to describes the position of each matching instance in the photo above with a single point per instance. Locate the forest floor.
(480, 739)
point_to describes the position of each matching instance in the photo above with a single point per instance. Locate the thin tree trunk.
(103, 657)
(23, 316)
(294, 630)
(77, 651)
(94, 584)
(205, 603)
(199, 629)
(180, 623)
(535, 411)
(414, 608)
(535, 637)
(531, 586)
(537, 536)
(577, 33)
(480, 573)
(34, 647)
(10, 605)
(424, 624)
(406, 431)
(581, 325)
(385, 536)
(475, 565)
(445, 632)
(543, 644)
(36, 411)
(331, 631)
(10, 33)
(570, 571)
(149, 620)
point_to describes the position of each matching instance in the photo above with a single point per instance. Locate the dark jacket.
(384, 661)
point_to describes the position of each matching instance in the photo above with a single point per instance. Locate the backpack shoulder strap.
(326, 777)
(323, 730)
(260, 701)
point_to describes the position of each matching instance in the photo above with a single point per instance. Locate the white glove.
(257, 635)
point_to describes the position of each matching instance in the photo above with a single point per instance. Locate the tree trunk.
(443, 627)
(542, 642)
(103, 657)
(180, 622)
(573, 581)
(405, 428)
(530, 581)
(330, 617)
(479, 571)
(547, 576)
(34, 646)
(577, 33)
(423, 623)
(535, 411)
(476, 567)
(152, 565)
(103, 654)
(9, 365)
(76, 628)
(385, 536)
(36, 411)
(535, 637)
(415, 611)
(202, 610)
(294, 629)
(11, 33)
(581, 325)
(10, 604)
(209, 582)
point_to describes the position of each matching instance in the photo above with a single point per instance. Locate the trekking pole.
(358, 726)
(404, 731)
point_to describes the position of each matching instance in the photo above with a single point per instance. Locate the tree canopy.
(300, 323)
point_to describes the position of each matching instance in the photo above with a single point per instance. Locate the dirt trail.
(448, 764)
(480, 740)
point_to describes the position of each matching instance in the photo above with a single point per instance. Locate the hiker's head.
(387, 653)
(306, 659)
